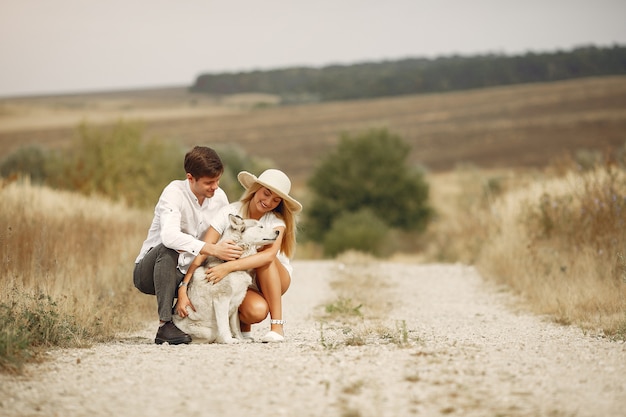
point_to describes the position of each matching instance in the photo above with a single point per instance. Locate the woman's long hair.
(282, 211)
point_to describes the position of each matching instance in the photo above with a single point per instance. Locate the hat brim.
(247, 180)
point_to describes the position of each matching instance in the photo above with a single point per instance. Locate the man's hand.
(227, 250)
(183, 302)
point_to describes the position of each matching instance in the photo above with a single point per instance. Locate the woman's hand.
(183, 302)
(218, 272)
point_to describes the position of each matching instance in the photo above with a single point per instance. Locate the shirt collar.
(190, 193)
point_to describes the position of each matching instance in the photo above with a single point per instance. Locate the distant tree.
(31, 161)
(417, 75)
(368, 171)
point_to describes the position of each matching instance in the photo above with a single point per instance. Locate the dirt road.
(460, 349)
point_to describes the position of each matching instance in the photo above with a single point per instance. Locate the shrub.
(29, 160)
(369, 170)
(592, 214)
(361, 231)
(119, 163)
(561, 244)
(28, 322)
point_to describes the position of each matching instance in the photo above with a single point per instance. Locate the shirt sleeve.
(170, 208)
(220, 222)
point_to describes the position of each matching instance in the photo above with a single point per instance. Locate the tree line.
(416, 75)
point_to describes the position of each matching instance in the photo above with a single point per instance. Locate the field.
(550, 232)
(501, 127)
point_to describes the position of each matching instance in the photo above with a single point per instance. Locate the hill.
(512, 126)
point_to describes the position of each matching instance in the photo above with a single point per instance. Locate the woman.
(266, 199)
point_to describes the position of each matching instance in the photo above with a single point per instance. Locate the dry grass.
(557, 241)
(462, 200)
(560, 244)
(57, 112)
(75, 255)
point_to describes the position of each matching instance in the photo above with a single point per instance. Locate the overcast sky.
(57, 46)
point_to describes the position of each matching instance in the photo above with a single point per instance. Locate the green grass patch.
(344, 307)
(29, 322)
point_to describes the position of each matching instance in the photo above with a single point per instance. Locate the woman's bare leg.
(274, 280)
(253, 309)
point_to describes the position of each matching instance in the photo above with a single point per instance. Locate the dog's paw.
(228, 340)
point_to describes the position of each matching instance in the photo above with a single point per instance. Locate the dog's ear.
(251, 223)
(236, 222)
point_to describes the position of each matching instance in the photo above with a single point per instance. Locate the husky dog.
(216, 318)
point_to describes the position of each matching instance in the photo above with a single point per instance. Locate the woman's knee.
(254, 311)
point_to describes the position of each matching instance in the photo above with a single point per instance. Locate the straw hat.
(274, 180)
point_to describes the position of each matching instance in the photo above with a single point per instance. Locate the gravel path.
(461, 349)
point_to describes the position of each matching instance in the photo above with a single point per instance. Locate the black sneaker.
(169, 333)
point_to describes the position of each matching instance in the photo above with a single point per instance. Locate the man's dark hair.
(203, 161)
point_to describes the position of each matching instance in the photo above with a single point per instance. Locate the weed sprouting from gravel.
(358, 314)
(344, 307)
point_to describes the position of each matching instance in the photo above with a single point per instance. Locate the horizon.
(71, 46)
(129, 88)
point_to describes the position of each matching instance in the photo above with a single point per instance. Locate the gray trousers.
(157, 274)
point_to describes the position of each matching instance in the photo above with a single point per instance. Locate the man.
(181, 217)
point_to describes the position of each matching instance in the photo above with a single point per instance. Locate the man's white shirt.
(180, 222)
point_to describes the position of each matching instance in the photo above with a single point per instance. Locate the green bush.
(113, 161)
(28, 322)
(31, 161)
(118, 162)
(368, 171)
(361, 231)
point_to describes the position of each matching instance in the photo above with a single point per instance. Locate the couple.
(190, 217)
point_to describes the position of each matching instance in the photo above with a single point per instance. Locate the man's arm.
(172, 235)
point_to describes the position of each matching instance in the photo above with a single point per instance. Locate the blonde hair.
(282, 211)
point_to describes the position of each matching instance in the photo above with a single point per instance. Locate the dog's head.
(250, 232)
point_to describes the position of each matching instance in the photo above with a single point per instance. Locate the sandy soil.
(466, 351)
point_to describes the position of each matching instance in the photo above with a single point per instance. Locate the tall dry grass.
(66, 264)
(558, 241)
(561, 245)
